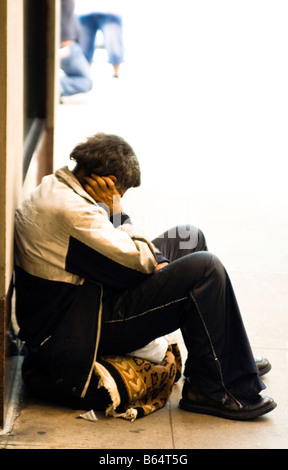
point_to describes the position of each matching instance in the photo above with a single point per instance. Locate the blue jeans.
(111, 27)
(77, 76)
(192, 293)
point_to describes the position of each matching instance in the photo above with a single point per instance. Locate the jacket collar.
(67, 177)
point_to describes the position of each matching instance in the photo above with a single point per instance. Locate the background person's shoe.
(194, 401)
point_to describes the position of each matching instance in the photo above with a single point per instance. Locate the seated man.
(89, 285)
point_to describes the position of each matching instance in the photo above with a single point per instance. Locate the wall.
(13, 180)
(11, 149)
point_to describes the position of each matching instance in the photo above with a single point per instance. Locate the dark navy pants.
(193, 293)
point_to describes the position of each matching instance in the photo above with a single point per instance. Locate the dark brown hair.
(108, 154)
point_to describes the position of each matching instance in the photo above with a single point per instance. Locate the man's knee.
(211, 267)
(181, 240)
(189, 237)
(87, 84)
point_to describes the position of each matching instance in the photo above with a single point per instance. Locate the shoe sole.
(235, 415)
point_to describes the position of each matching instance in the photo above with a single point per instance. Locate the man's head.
(108, 154)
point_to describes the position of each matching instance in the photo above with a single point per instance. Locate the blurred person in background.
(75, 75)
(104, 16)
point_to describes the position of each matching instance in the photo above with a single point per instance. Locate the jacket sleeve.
(123, 218)
(118, 257)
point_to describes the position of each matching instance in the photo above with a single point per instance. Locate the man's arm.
(103, 190)
(120, 256)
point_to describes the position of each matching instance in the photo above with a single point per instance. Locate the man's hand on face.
(103, 190)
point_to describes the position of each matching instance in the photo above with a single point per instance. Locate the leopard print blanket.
(138, 387)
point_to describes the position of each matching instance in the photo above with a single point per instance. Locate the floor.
(212, 157)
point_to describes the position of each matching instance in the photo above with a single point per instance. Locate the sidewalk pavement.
(244, 225)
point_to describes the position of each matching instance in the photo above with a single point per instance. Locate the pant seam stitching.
(118, 320)
(214, 354)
